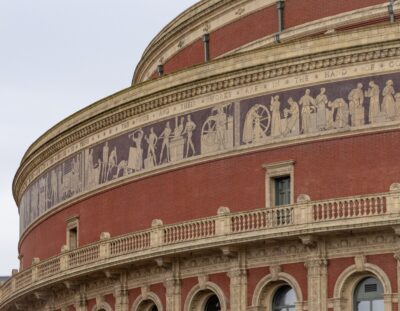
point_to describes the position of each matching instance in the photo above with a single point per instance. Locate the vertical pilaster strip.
(237, 123)
(397, 257)
(121, 293)
(80, 299)
(172, 285)
(317, 279)
(238, 283)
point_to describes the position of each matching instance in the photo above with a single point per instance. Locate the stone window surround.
(274, 170)
(72, 223)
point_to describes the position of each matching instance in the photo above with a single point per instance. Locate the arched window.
(212, 304)
(284, 299)
(368, 295)
(145, 305)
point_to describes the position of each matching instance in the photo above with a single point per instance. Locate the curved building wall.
(238, 24)
(167, 187)
(226, 127)
(332, 168)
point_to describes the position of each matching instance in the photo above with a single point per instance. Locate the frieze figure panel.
(226, 126)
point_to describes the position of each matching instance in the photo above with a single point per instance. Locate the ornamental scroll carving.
(227, 126)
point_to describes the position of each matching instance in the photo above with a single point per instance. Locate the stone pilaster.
(172, 284)
(80, 299)
(238, 283)
(121, 293)
(397, 257)
(317, 279)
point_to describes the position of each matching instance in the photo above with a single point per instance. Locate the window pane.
(213, 304)
(282, 190)
(363, 306)
(369, 289)
(377, 305)
(284, 299)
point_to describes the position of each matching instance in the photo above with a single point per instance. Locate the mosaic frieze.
(224, 127)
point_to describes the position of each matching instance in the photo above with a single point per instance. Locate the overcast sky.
(56, 57)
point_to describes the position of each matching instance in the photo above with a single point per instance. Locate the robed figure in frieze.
(256, 124)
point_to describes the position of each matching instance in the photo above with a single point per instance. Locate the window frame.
(278, 292)
(274, 171)
(72, 225)
(357, 295)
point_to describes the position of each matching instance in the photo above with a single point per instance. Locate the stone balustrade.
(303, 217)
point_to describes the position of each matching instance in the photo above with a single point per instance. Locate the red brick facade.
(261, 24)
(119, 210)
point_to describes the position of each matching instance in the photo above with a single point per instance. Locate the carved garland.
(258, 74)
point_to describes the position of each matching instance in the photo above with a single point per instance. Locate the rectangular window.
(73, 238)
(282, 190)
(279, 183)
(72, 232)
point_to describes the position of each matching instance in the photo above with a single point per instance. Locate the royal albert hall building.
(252, 165)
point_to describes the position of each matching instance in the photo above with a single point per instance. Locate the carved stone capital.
(171, 283)
(237, 273)
(315, 263)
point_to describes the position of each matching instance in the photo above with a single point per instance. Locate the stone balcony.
(305, 220)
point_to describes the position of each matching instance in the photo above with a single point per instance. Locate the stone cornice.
(327, 24)
(182, 32)
(219, 75)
